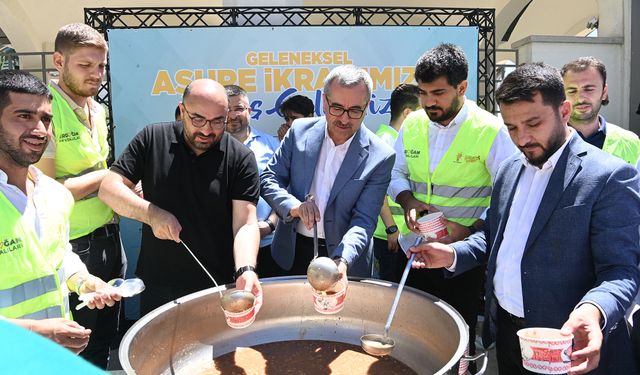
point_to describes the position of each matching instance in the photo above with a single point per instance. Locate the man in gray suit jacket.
(347, 169)
(561, 234)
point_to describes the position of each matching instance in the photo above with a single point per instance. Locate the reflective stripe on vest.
(622, 143)
(77, 154)
(30, 266)
(460, 186)
(46, 313)
(461, 212)
(451, 191)
(97, 167)
(27, 290)
(46, 284)
(462, 192)
(396, 211)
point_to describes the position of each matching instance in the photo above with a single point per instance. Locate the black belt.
(308, 241)
(516, 320)
(106, 230)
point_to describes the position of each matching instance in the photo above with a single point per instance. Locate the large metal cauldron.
(430, 335)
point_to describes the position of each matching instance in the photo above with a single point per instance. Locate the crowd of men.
(542, 206)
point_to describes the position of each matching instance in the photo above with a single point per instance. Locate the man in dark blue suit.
(561, 234)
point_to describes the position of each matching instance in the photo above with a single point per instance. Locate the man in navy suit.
(345, 166)
(561, 234)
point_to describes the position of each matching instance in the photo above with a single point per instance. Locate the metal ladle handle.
(403, 280)
(203, 268)
(311, 198)
(315, 240)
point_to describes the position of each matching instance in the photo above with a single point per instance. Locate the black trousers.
(101, 252)
(267, 267)
(463, 292)
(508, 344)
(304, 255)
(635, 337)
(387, 261)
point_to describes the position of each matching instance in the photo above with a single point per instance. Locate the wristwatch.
(270, 224)
(341, 259)
(391, 229)
(242, 270)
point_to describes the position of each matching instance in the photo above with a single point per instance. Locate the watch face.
(392, 229)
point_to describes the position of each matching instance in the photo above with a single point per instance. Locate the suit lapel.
(313, 143)
(510, 181)
(563, 173)
(356, 154)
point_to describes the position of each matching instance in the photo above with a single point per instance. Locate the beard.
(555, 142)
(585, 117)
(76, 86)
(447, 114)
(15, 153)
(236, 126)
(191, 139)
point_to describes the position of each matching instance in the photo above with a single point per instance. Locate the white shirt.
(33, 217)
(526, 201)
(329, 163)
(440, 139)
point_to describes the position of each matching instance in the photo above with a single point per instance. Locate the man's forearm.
(385, 214)
(404, 197)
(84, 185)
(245, 245)
(124, 201)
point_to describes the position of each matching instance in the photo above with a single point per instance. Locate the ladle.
(125, 288)
(232, 301)
(322, 272)
(379, 345)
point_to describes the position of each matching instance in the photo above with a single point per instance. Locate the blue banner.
(151, 67)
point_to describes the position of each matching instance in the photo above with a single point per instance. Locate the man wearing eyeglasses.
(200, 186)
(263, 146)
(344, 166)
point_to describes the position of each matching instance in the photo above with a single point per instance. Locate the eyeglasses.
(199, 121)
(354, 113)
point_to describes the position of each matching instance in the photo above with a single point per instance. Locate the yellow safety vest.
(460, 186)
(76, 154)
(31, 270)
(396, 209)
(622, 143)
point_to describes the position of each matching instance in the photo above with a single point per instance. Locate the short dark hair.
(235, 90)
(583, 63)
(298, 104)
(20, 82)
(76, 35)
(528, 80)
(406, 95)
(446, 60)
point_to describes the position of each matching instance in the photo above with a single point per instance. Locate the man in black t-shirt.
(200, 186)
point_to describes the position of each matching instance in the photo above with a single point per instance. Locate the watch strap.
(244, 269)
(270, 224)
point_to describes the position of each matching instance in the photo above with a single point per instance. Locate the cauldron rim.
(450, 366)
